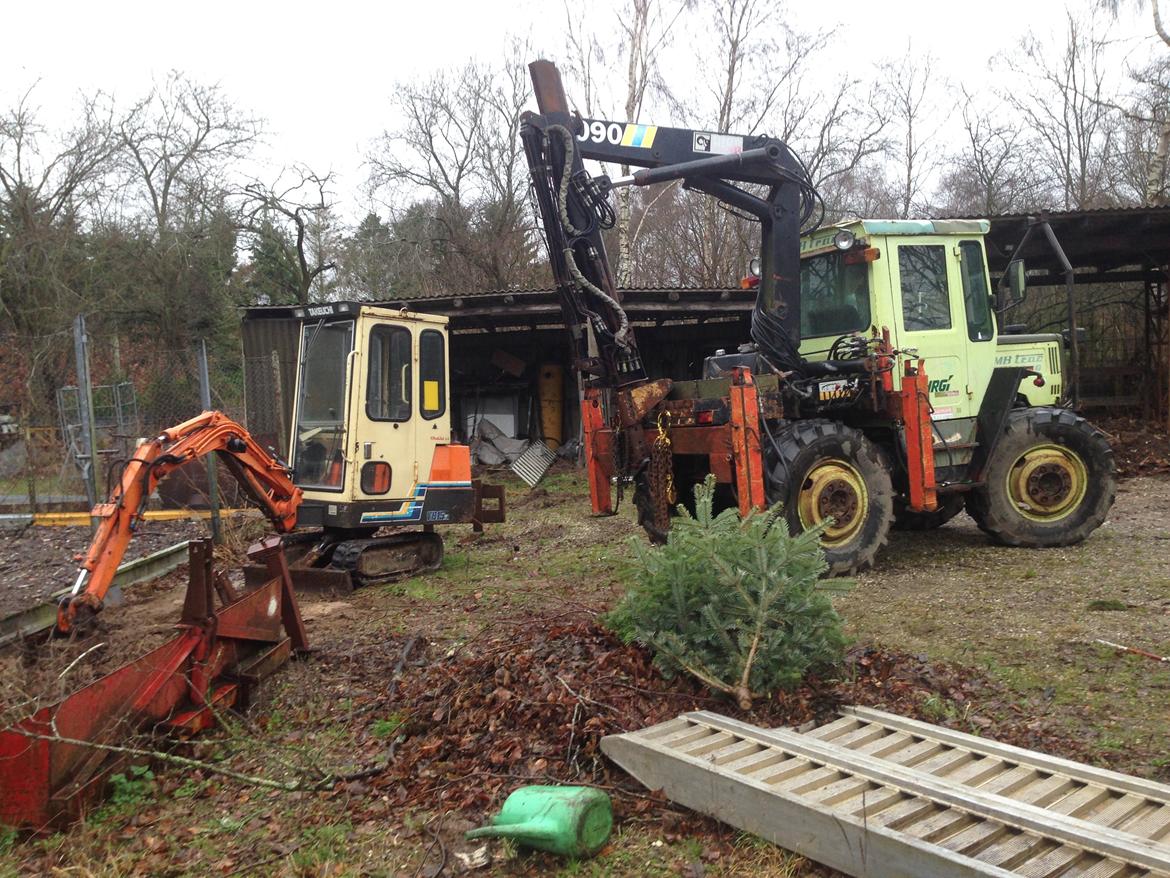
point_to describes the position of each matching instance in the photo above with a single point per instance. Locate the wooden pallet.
(873, 794)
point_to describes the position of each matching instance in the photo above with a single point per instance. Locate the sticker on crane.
(617, 134)
(838, 389)
(716, 144)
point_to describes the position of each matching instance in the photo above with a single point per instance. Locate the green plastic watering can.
(570, 821)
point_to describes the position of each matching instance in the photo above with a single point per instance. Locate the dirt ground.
(37, 561)
(506, 678)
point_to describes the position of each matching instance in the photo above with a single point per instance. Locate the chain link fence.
(44, 422)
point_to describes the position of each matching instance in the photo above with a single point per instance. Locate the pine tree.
(738, 604)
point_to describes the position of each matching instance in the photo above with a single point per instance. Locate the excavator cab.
(371, 442)
(371, 419)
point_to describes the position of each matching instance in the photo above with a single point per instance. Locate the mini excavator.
(371, 449)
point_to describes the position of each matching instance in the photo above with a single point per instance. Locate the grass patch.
(386, 727)
(323, 845)
(1109, 605)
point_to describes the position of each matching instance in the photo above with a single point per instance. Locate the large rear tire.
(1050, 482)
(822, 469)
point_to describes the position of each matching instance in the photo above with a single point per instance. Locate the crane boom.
(574, 209)
(265, 479)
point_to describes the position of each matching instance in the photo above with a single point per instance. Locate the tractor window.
(388, 386)
(432, 374)
(976, 293)
(925, 297)
(319, 449)
(834, 296)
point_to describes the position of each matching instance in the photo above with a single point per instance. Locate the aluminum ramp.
(873, 794)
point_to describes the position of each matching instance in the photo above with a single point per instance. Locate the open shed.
(501, 339)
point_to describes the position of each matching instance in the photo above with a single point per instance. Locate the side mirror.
(1017, 280)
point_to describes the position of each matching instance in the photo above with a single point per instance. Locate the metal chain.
(661, 474)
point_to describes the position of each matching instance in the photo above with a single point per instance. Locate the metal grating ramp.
(875, 795)
(534, 463)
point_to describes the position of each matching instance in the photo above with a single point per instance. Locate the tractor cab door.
(401, 412)
(926, 283)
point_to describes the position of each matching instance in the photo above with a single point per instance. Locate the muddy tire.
(822, 469)
(949, 506)
(1051, 481)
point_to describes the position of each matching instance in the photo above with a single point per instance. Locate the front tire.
(822, 470)
(1051, 481)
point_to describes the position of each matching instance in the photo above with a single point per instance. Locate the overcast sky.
(322, 73)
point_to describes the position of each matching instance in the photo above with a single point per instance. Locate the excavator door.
(400, 413)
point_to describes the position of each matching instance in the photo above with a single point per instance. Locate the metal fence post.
(30, 466)
(278, 403)
(205, 400)
(85, 406)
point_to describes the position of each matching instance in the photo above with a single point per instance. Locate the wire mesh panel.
(265, 399)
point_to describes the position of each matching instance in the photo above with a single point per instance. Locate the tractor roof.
(916, 226)
(821, 239)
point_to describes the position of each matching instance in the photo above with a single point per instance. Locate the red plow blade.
(56, 761)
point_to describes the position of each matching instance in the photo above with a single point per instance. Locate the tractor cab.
(927, 282)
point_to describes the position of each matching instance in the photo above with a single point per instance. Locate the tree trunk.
(1154, 195)
(625, 211)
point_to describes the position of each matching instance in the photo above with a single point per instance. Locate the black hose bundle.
(579, 194)
(775, 343)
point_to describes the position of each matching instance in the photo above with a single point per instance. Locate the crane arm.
(265, 479)
(574, 210)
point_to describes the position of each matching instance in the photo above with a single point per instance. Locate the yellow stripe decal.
(639, 135)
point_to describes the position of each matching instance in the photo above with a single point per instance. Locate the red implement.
(56, 761)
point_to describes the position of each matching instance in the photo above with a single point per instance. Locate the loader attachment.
(55, 762)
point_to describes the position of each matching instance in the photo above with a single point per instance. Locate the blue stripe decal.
(411, 510)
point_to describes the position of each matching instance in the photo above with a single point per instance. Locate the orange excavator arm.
(266, 480)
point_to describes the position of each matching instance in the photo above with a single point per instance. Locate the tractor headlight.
(844, 239)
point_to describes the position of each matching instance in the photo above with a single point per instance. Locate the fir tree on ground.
(738, 604)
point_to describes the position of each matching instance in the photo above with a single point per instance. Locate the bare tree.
(991, 171)
(646, 29)
(1065, 104)
(1140, 174)
(1143, 115)
(909, 93)
(179, 143)
(457, 153)
(302, 204)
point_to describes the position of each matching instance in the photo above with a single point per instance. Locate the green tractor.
(876, 389)
(1048, 477)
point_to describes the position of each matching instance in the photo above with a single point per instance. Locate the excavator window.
(319, 452)
(432, 374)
(389, 385)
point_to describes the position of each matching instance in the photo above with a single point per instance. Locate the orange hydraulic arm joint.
(265, 479)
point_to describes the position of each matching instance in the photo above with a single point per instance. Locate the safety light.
(844, 239)
(754, 267)
(856, 257)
